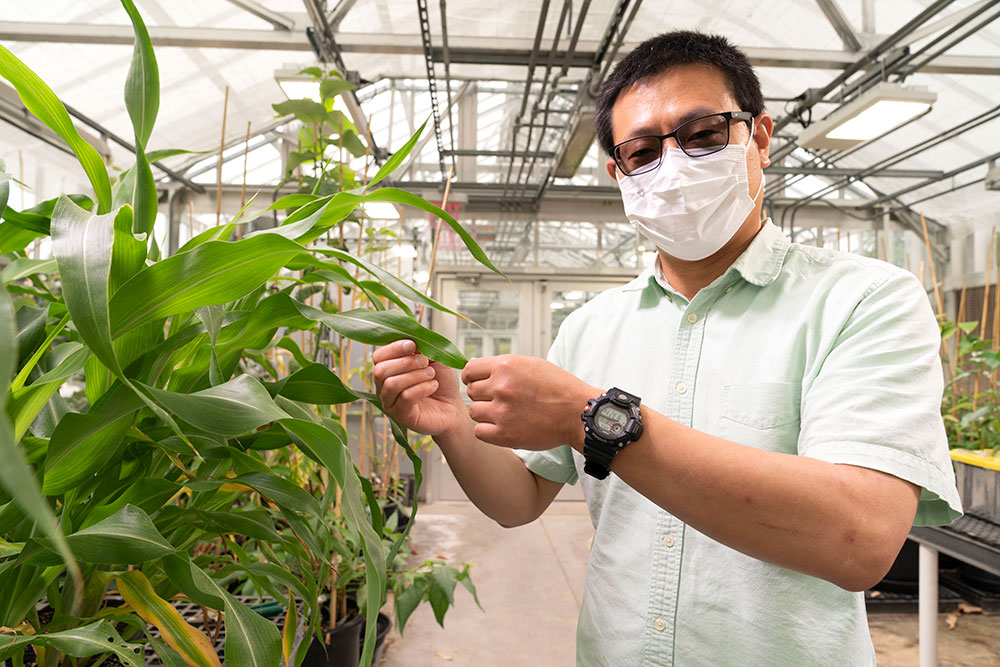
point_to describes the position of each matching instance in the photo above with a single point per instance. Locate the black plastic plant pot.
(344, 649)
(345, 645)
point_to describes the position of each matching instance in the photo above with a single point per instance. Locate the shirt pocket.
(762, 414)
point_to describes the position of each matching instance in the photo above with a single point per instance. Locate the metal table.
(970, 540)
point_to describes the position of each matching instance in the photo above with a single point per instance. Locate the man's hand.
(420, 394)
(525, 402)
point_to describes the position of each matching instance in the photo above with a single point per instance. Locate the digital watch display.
(610, 422)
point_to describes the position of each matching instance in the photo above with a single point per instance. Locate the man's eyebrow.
(648, 130)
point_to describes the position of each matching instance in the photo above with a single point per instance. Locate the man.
(789, 429)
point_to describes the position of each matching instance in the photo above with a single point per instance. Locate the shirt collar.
(761, 262)
(759, 265)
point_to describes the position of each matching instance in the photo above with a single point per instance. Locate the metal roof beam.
(840, 23)
(279, 21)
(461, 50)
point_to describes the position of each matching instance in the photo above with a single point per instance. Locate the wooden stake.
(885, 253)
(930, 260)
(996, 307)
(838, 239)
(191, 218)
(961, 316)
(986, 288)
(218, 173)
(246, 157)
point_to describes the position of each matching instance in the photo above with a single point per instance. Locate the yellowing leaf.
(193, 645)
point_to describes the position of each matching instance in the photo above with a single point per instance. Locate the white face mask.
(691, 207)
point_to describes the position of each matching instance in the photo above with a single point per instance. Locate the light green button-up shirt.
(794, 349)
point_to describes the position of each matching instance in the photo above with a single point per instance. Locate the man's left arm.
(840, 520)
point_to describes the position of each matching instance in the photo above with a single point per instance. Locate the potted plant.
(143, 481)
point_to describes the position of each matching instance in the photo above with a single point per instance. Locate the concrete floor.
(530, 582)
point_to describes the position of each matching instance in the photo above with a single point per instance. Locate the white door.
(517, 317)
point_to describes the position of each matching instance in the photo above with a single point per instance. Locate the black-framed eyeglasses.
(697, 138)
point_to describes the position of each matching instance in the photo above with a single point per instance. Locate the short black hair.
(680, 47)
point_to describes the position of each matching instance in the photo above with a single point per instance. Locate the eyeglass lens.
(699, 137)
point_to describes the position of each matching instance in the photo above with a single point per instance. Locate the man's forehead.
(670, 98)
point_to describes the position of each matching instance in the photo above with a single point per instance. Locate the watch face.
(610, 420)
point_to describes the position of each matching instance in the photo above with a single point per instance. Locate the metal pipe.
(932, 181)
(869, 58)
(928, 606)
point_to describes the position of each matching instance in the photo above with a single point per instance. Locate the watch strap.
(597, 458)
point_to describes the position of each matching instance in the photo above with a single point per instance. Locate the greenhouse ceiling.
(508, 90)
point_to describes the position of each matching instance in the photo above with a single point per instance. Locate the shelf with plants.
(193, 465)
(971, 402)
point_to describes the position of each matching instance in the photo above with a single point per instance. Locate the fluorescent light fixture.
(421, 277)
(557, 305)
(573, 295)
(874, 112)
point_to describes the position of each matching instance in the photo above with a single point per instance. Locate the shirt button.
(681, 388)
(669, 540)
(692, 318)
(641, 193)
(660, 624)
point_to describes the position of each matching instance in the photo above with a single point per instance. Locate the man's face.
(658, 105)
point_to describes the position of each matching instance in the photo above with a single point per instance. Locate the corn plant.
(141, 482)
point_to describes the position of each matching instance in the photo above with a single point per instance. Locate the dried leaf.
(443, 656)
(951, 620)
(966, 608)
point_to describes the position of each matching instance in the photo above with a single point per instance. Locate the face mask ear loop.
(760, 187)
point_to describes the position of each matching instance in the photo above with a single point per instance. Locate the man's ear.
(762, 135)
(612, 171)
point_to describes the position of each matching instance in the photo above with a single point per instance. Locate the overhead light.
(557, 305)
(297, 86)
(405, 250)
(573, 295)
(873, 113)
(577, 144)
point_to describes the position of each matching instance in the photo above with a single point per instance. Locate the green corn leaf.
(94, 639)
(29, 365)
(251, 639)
(280, 490)
(239, 406)
(4, 195)
(211, 317)
(22, 267)
(128, 254)
(315, 384)
(142, 87)
(30, 330)
(69, 359)
(147, 493)
(256, 524)
(213, 273)
(396, 196)
(26, 403)
(128, 537)
(384, 327)
(401, 287)
(292, 201)
(82, 243)
(39, 99)
(83, 443)
(142, 99)
(323, 446)
(289, 630)
(192, 644)
(14, 238)
(397, 158)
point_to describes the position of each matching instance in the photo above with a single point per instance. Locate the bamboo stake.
(246, 158)
(190, 218)
(930, 260)
(838, 239)
(218, 173)
(437, 239)
(885, 253)
(848, 241)
(986, 289)
(996, 309)
(961, 316)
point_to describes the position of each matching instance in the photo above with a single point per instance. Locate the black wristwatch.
(610, 422)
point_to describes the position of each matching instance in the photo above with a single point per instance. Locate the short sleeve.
(875, 400)
(557, 463)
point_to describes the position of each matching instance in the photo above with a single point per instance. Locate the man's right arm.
(424, 396)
